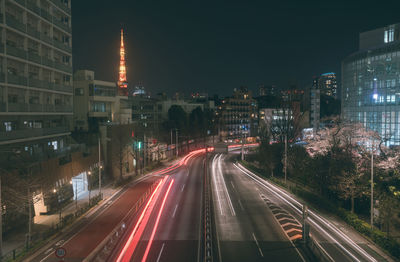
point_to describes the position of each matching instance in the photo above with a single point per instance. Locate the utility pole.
(99, 166)
(76, 194)
(144, 151)
(176, 134)
(285, 157)
(171, 143)
(242, 146)
(1, 224)
(372, 186)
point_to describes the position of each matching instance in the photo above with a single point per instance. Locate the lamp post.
(372, 185)
(89, 184)
(99, 166)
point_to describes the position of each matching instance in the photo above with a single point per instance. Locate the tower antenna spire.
(122, 81)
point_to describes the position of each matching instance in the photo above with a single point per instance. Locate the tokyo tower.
(122, 82)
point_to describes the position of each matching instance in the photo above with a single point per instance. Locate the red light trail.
(146, 253)
(128, 249)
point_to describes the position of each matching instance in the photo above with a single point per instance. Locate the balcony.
(32, 132)
(48, 108)
(63, 88)
(61, 25)
(63, 67)
(15, 51)
(46, 15)
(61, 6)
(33, 7)
(62, 46)
(35, 108)
(2, 107)
(33, 57)
(47, 61)
(63, 108)
(46, 39)
(21, 2)
(1, 47)
(33, 32)
(33, 82)
(11, 21)
(17, 80)
(17, 107)
(47, 85)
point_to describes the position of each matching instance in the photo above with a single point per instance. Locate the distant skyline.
(214, 47)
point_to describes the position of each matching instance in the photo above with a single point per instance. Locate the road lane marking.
(240, 204)
(232, 184)
(176, 207)
(183, 187)
(259, 249)
(159, 255)
(48, 251)
(271, 188)
(224, 187)
(214, 178)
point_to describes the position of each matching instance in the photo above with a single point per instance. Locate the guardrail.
(104, 250)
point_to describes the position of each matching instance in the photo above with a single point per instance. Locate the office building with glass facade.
(371, 83)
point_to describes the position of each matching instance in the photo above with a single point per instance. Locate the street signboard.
(61, 252)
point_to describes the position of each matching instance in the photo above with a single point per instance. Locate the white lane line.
(159, 255)
(232, 184)
(270, 188)
(183, 187)
(240, 204)
(224, 187)
(176, 207)
(259, 249)
(214, 177)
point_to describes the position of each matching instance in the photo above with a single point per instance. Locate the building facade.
(327, 84)
(238, 115)
(315, 104)
(35, 75)
(97, 102)
(371, 83)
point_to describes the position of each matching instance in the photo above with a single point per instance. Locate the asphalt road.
(338, 242)
(247, 229)
(176, 237)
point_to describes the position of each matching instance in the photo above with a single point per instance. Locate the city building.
(97, 102)
(270, 90)
(371, 83)
(315, 96)
(327, 84)
(36, 76)
(146, 114)
(188, 106)
(238, 115)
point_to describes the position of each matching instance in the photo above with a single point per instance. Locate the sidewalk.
(42, 223)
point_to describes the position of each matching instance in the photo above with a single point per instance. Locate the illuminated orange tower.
(122, 82)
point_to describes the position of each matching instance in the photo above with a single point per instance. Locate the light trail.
(221, 177)
(215, 185)
(121, 256)
(274, 189)
(146, 253)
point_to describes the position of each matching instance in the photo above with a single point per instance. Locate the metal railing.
(62, 6)
(14, 23)
(15, 51)
(17, 80)
(106, 247)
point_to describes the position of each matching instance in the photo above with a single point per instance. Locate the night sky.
(215, 46)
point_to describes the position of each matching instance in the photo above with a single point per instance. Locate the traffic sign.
(61, 252)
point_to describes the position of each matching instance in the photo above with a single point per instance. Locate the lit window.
(389, 35)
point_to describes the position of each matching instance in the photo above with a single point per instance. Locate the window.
(79, 91)
(8, 126)
(389, 35)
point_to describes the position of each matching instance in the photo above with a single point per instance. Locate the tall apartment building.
(239, 114)
(315, 104)
(371, 83)
(327, 84)
(35, 75)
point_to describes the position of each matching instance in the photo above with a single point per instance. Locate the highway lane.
(337, 244)
(247, 229)
(177, 233)
(85, 236)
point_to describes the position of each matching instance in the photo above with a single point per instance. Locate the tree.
(177, 118)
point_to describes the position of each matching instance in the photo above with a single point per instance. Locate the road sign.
(61, 252)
